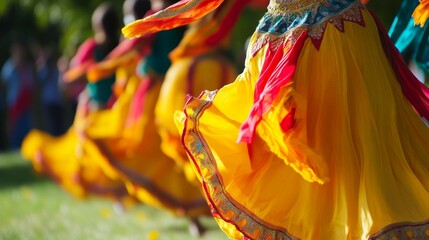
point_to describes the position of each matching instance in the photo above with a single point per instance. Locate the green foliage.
(63, 22)
(243, 30)
(385, 10)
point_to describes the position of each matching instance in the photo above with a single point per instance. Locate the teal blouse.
(101, 91)
(158, 60)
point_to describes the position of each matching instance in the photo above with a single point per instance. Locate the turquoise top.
(412, 41)
(158, 60)
(101, 91)
(280, 18)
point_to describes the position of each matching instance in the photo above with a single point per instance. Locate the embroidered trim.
(280, 24)
(404, 230)
(221, 204)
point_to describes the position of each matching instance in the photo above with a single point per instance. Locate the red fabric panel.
(415, 91)
(84, 53)
(289, 121)
(278, 70)
(138, 103)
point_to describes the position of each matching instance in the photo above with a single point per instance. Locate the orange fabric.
(179, 14)
(421, 14)
(108, 67)
(212, 32)
(82, 61)
(126, 53)
(77, 72)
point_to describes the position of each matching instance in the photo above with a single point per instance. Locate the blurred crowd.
(33, 96)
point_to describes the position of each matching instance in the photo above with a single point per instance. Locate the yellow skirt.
(72, 160)
(353, 128)
(116, 153)
(68, 161)
(135, 157)
(188, 75)
(110, 123)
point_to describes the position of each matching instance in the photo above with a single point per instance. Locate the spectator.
(52, 103)
(18, 76)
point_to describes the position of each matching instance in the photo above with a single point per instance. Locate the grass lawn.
(33, 207)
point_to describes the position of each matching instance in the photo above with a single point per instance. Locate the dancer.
(133, 155)
(67, 159)
(18, 78)
(121, 62)
(203, 50)
(320, 137)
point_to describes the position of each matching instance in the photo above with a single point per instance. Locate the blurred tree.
(243, 30)
(63, 22)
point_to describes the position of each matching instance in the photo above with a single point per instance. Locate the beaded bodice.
(283, 6)
(283, 16)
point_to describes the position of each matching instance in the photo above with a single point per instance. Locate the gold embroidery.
(222, 205)
(352, 14)
(275, 41)
(315, 32)
(403, 231)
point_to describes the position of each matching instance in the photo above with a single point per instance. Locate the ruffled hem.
(222, 206)
(233, 218)
(80, 180)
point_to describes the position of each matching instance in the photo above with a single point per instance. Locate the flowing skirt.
(188, 75)
(73, 160)
(68, 160)
(355, 161)
(135, 157)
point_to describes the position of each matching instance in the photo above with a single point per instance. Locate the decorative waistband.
(311, 16)
(285, 6)
(301, 13)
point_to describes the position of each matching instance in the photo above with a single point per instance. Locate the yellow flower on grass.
(153, 235)
(140, 215)
(27, 193)
(106, 213)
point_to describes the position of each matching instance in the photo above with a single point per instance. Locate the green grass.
(33, 207)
